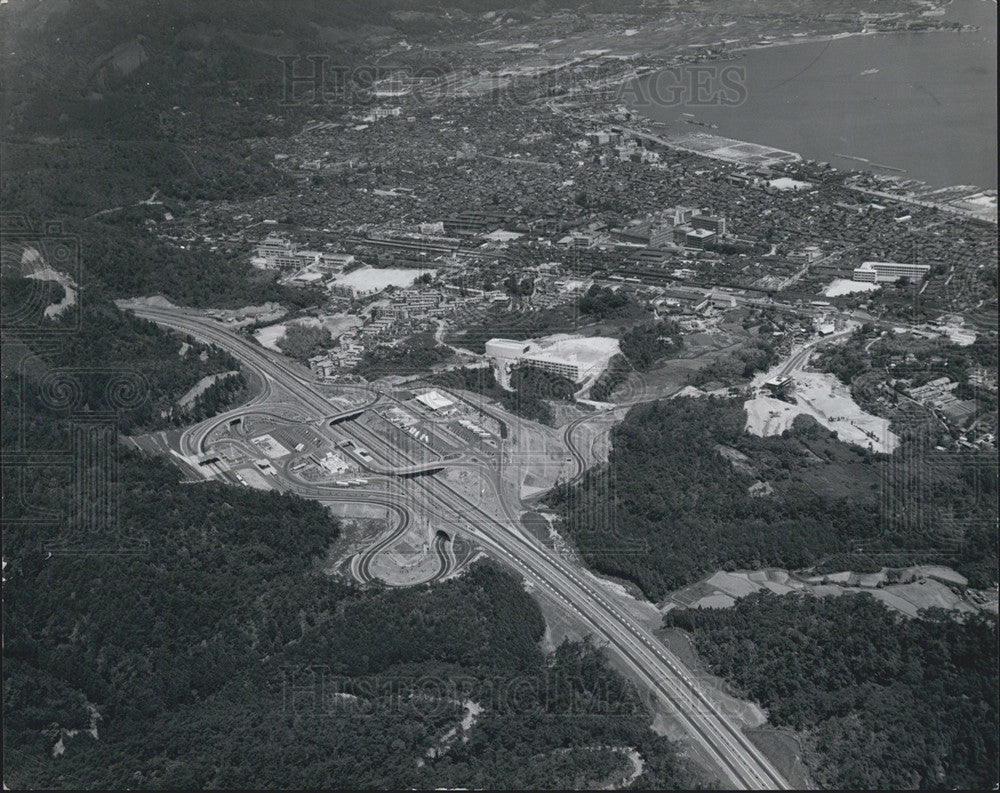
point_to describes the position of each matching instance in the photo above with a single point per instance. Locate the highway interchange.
(290, 391)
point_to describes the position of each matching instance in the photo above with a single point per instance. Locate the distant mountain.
(64, 58)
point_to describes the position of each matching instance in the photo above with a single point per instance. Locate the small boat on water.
(701, 123)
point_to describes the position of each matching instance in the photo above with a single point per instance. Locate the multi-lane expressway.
(738, 761)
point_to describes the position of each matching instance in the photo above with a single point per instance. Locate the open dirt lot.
(924, 587)
(828, 401)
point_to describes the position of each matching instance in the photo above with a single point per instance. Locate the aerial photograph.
(499, 394)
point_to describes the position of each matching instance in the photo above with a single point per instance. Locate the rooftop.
(435, 400)
(585, 351)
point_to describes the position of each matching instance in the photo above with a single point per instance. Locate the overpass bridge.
(735, 757)
(344, 415)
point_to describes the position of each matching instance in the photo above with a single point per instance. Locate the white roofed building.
(576, 358)
(878, 272)
(434, 400)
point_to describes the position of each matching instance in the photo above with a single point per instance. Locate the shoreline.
(819, 39)
(875, 170)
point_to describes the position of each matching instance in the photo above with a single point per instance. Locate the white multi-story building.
(275, 251)
(278, 252)
(577, 359)
(879, 272)
(335, 261)
(273, 247)
(554, 364)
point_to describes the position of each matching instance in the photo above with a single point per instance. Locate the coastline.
(819, 39)
(985, 215)
(813, 39)
(963, 199)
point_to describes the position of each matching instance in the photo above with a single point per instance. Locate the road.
(362, 563)
(739, 762)
(446, 560)
(579, 461)
(799, 358)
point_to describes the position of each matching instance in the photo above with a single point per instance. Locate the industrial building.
(879, 272)
(475, 223)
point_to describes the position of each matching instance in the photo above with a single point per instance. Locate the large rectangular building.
(277, 252)
(879, 272)
(697, 238)
(577, 359)
(715, 224)
(661, 236)
(553, 364)
(472, 223)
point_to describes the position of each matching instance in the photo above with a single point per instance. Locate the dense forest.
(207, 650)
(616, 373)
(226, 391)
(674, 501)
(602, 302)
(94, 187)
(302, 342)
(129, 259)
(641, 346)
(757, 355)
(647, 342)
(887, 702)
(96, 349)
(113, 157)
(413, 355)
